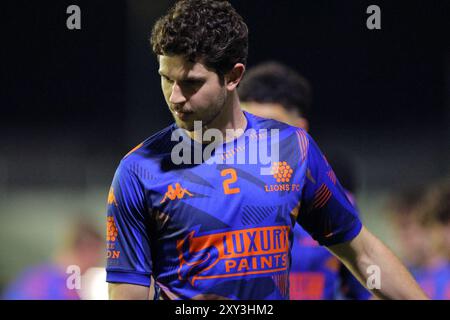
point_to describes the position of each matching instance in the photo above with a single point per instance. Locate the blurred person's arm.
(366, 250)
(332, 220)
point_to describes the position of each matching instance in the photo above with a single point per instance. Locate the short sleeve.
(325, 212)
(128, 241)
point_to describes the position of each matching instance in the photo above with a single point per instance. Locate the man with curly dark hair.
(220, 227)
(213, 33)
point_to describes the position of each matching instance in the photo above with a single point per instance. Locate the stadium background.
(74, 102)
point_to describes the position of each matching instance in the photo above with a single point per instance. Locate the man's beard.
(210, 116)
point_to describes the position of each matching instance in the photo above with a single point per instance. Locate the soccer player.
(219, 227)
(272, 90)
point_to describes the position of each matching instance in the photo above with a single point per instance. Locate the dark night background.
(95, 91)
(73, 102)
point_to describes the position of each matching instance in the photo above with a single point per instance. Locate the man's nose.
(177, 96)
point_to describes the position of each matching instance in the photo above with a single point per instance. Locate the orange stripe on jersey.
(319, 193)
(325, 200)
(303, 144)
(332, 263)
(309, 176)
(239, 274)
(134, 149)
(332, 176)
(323, 194)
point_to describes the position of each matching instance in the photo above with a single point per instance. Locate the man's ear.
(301, 123)
(234, 76)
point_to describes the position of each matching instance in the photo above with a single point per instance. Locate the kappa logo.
(175, 193)
(112, 197)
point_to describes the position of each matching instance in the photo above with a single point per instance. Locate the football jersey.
(41, 282)
(435, 281)
(316, 274)
(222, 227)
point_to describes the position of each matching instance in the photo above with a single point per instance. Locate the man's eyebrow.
(187, 78)
(194, 78)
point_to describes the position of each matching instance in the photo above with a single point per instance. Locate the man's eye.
(191, 83)
(167, 79)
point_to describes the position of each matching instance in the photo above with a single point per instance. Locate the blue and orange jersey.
(435, 281)
(316, 274)
(222, 228)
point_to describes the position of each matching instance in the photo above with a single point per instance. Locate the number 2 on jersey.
(232, 179)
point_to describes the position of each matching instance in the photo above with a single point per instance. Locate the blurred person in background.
(421, 220)
(439, 206)
(273, 90)
(82, 247)
(434, 212)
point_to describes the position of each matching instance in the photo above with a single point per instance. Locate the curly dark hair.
(273, 82)
(210, 31)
